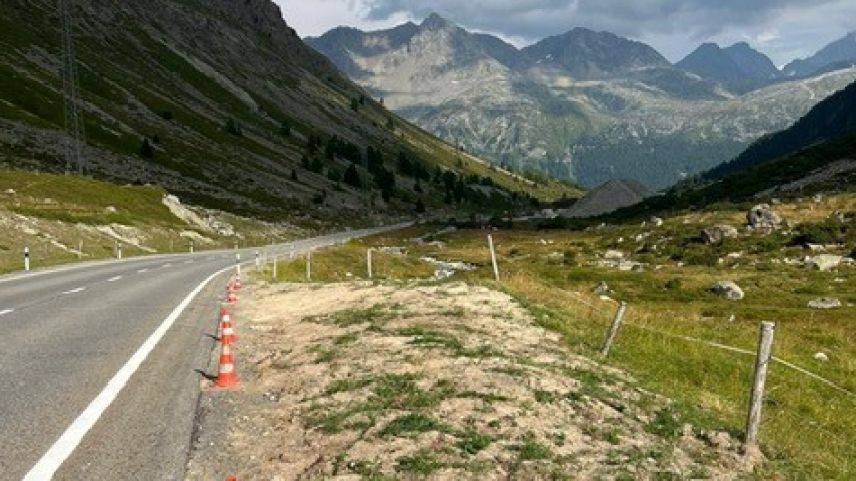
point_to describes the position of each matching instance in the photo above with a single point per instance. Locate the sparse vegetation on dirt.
(443, 382)
(570, 286)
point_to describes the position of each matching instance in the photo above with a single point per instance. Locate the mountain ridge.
(224, 105)
(657, 124)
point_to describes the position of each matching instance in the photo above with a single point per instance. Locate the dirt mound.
(450, 382)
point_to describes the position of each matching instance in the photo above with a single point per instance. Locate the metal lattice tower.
(74, 159)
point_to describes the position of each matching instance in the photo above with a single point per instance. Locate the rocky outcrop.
(824, 303)
(762, 216)
(728, 290)
(718, 233)
(824, 262)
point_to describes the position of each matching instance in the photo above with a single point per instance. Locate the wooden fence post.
(493, 257)
(765, 349)
(613, 329)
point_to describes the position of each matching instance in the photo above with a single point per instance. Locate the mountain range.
(221, 103)
(586, 106)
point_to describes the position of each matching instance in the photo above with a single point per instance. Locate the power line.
(71, 95)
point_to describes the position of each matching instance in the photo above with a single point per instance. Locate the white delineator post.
(275, 259)
(613, 329)
(309, 266)
(26, 258)
(765, 350)
(80, 249)
(493, 257)
(119, 250)
(258, 261)
(191, 247)
(238, 263)
(369, 263)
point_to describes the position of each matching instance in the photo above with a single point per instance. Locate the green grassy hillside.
(222, 104)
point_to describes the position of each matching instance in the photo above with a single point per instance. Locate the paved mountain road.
(65, 334)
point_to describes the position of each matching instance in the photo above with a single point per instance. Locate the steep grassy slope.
(833, 117)
(65, 218)
(219, 102)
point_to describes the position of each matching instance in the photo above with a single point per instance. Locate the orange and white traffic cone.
(227, 332)
(226, 377)
(231, 297)
(237, 283)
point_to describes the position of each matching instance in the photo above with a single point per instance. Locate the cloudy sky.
(783, 29)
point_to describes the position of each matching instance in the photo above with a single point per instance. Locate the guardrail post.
(756, 402)
(613, 329)
(493, 257)
(26, 258)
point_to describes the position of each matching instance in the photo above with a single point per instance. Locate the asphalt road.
(67, 335)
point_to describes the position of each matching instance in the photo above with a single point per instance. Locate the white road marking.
(189, 261)
(74, 291)
(114, 279)
(142, 270)
(45, 468)
(165, 266)
(6, 311)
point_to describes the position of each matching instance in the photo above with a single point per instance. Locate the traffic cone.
(227, 332)
(231, 297)
(226, 377)
(237, 283)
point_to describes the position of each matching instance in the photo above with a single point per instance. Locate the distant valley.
(585, 106)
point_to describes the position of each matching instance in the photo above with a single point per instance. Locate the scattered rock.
(717, 233)
(718, 439)
(825, 303)
(555, 258)
(110, 209)
(824, 262)
(602, 289)
(762, 217)
(9, 191)
(728, 290)
(613, 254)
(821, 357)
(658, 222)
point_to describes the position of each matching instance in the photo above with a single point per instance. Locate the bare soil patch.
(442, 382)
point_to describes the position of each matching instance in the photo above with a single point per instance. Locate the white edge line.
(114, 279)
(6, 311)
(45, 468)
(74, 291)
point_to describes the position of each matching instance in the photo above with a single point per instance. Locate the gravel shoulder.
(360, 381)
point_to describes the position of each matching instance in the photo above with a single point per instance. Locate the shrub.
(146, 150)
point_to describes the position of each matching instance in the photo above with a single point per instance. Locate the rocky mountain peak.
(436, 22)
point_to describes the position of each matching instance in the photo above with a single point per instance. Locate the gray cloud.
(782, 28)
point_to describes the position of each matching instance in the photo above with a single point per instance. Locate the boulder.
(825, 303)
(656, 221)
(762, 217)
(728, 290)
(824, 262)
(821, 357)
(717, 233)
(602, 289)
(613, 255)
